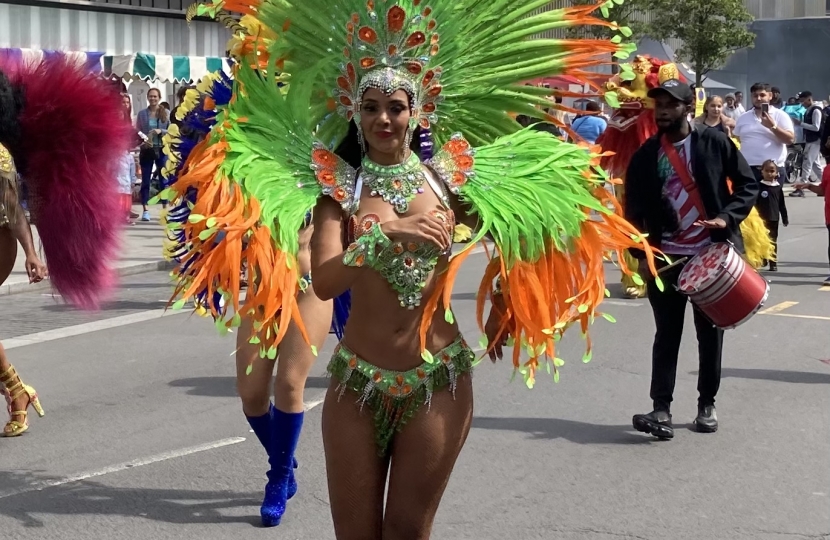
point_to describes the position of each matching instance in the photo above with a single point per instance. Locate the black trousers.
(669, 309)
(772, 227)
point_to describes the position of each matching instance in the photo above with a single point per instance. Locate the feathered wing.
(197, 115)
(494, 47)
(69, 156)
(254, 186)
(543, 204)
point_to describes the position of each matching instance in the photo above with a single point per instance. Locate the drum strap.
(683, 172)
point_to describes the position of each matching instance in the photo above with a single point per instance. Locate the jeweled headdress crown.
(391, 53)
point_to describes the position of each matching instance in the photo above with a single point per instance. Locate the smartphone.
(765, 107)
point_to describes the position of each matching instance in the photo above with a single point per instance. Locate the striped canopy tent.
(13, 57)
(163, 68)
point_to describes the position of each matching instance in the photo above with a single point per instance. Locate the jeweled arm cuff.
(365, 249)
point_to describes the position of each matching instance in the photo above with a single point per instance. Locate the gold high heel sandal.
(14, 388)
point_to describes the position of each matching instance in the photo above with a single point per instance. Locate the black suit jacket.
(714, 159)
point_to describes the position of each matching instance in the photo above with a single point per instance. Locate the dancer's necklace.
(397, 184)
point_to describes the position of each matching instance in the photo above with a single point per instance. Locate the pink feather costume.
(73, 135)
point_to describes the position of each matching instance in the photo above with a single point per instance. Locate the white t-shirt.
(759, 143)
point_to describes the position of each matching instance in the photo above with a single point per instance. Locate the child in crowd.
(821, 190)
(126, 181)
(771, 205)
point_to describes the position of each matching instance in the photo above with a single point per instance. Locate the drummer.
(676, 191)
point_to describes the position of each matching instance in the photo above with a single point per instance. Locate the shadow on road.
(570, 430)
(226, 386)
(797, 377)
(118, 305)
(175, 506)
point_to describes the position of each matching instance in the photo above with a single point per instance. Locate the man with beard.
(677, 192)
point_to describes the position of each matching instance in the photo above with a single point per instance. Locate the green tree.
(711, 30)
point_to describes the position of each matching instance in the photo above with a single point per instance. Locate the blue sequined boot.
(262, 427)
(285, 432)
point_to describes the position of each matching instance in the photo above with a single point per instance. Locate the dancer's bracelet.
(365, 249)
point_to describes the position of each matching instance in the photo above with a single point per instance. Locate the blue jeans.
(147, 160)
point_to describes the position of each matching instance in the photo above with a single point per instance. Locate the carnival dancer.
(14, 228)
(65, 156)
(277, 425)
(677, 191)
(402, 356)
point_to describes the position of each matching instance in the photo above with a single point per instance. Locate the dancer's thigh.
(356, 473)
(423, 457)
(8, 253)
(296, 357)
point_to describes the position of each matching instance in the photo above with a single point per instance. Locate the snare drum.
(723, 286)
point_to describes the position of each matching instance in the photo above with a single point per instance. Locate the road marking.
(38, 486)
(314, 403)
(814, 317)
(86, 328)
(778, 308)
(621, 303)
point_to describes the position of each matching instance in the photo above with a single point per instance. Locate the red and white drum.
(723, 286)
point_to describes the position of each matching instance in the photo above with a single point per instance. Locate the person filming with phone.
(764, 132)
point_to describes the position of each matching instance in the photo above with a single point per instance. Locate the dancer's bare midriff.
(381, 331)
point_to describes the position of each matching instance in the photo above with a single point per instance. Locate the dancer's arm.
(331, 277)
(23, 233)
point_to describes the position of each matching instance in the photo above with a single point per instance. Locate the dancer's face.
(384, 120)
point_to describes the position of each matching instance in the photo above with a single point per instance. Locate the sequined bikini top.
(8, 175)
(406, 266)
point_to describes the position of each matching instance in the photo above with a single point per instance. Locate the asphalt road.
(144, 437)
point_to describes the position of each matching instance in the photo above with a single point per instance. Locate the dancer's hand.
(496, 341)
(35, 268)
(433, 227)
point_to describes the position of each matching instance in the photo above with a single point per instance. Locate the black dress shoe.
(657, 423)
(773, 267)
(707, 419)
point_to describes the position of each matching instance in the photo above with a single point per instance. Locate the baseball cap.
(804, 94)
(676, 89)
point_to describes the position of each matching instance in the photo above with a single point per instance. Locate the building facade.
(116, 27)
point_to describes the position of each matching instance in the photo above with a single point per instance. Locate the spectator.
(739, 101)
(589, 127)
(126, 179)
(730, 109)
(152, 122)
(714, 118)
(776, 100)
(822, 191)
(764, 132)
(812, 125)
(772, 206)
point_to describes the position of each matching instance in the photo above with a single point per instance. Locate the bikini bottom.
(395, 396)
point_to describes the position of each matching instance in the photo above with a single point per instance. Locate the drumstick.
(672, 265)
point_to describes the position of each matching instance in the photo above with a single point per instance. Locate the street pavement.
(144, 436)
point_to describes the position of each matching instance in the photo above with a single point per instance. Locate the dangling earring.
(410, 131)
(360, 138)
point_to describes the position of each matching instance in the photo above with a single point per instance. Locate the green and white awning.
(163, 68)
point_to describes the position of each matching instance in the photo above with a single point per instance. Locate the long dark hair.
(11, 105)
(349, 149)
